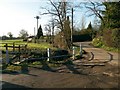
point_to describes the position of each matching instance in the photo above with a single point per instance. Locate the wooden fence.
(48, 52)
(14, 46)
(49, 56)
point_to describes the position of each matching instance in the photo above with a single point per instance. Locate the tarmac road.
(88, 77)
(99, 54)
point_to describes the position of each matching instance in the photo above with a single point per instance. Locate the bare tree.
(48, 32)
(59, 11)
(83, 23)
(95, 8)
(48, 29)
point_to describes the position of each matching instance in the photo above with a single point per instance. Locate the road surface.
(99, 54)
(77, 77)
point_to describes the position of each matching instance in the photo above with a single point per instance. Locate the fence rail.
(13, 45)
(48, 54)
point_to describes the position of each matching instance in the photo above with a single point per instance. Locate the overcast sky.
(19, 14)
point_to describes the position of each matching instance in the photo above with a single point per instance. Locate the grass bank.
(98, 42)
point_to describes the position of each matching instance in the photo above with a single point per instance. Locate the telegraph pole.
(34, 36)
(37, 17)
(72, 29)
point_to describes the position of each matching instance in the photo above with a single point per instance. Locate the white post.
(73, 53)
(48, 52)
(80, 50)
(7, 57)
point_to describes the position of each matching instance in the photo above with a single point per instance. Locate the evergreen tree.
(112, 14)
(89, 26)
(111, 30)
(39, 33)
(90, 31)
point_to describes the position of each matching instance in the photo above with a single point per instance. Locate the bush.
(38, 53)
(116, 37)
(59, 53)
(107, 38)
(59, 41)
(98, 42)
(109, 41)
(112, 37)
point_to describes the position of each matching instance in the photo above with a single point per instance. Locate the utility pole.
(37, 17)
(72, 28)
(53, 25)
(34, 36)
(34, 31)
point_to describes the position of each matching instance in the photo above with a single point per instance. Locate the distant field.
(42, 45)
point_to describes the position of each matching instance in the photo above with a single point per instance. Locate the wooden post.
(25, 47)
(6, 46)
(13, 46)
(19, 51)
(73, 53)
(7, 57)
(48, 52)
(19, 48)
(72, 28)
(80, 50)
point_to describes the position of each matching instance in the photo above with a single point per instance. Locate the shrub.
(107, 38)
(59, 53)
(98, 42)
(59, 41)
(112, 37)
(116, 37)
(109, 41)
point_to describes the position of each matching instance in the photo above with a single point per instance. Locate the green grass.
(42, 45)
(110, 49)
(20, 41)
(10, 43)
(13, 68)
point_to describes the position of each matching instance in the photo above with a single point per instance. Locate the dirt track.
(66, 77)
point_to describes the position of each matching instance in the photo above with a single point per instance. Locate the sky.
(16, 15)
(19, 14)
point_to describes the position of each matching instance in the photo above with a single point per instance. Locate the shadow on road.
(74, 70)
(47, 67)
(8, 85)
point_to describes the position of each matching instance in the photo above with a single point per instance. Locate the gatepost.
(80, 50)
(48, 52)
(73, 53)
